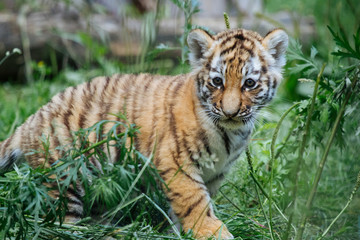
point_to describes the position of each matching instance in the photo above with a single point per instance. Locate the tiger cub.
(199, 122)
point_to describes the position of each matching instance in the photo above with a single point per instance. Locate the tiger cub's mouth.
(236, 122)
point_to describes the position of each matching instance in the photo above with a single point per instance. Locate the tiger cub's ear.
(276, 42)
(199, 42)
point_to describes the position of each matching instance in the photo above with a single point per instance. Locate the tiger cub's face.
(237, 72)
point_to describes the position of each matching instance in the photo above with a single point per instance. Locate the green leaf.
(314, 52)
(342, 41)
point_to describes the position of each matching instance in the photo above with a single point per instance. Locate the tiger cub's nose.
(231, 113)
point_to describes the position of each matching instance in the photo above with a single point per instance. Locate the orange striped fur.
(200, 121)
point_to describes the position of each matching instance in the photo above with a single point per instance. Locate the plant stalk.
(302, 148)
(257, 183)
(248, 155)
(272, 159)
(323, 160)
(226, 19)
(286, 139)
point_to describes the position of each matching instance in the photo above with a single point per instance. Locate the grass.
(297, 181)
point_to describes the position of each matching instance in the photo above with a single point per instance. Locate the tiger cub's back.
(142, 98)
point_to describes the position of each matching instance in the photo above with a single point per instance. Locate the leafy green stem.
(272, 159)
(302, 148)
(324, 157)
(286, 139)
(258, 184)
(99, 143)
(248, 155)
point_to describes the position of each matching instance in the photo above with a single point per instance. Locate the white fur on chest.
(224, 151)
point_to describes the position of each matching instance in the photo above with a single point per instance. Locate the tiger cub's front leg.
(190, 202)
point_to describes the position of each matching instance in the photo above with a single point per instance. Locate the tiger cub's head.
(237, 72)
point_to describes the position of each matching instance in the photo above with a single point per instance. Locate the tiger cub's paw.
(216, 230)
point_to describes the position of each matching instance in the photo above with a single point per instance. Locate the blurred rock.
(54, 26)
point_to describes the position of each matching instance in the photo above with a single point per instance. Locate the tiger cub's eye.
(217, 82)
(249, 83)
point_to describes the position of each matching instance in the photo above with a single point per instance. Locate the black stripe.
(208, 213)
(73, 213)
(226, 141)
(191, 178)
(61, 95)
(232, 160)
(86, 106)
(175, 159)
(40, 121)
(139, 104)
(82, 118)
(172, 121)
(268, 90)
(30, 138)
(249, 50)
(71, 191)
(182, 171)
(174, 195)
(228, 49)
(102, 115)
(200, 82)
(231, 59)
(217, 177)
(54, 135)
(69, 113)
(103, 92)
(264, 69)
(7, 142)
(121, 78)
(240, 36)
(275, 83)
(131, 99)
(209, 60)
(74, 201)
(268, 97)
(154, 120)
(187, 147)
(9, 162)
(258, 86)
(192, 206)
(22, 137)
(158, 146)
(202, 136)
(88, 86)
(155, 115)
(164, 172)
(226, 39)
(149, 81)
(118, 150)
(263, 63)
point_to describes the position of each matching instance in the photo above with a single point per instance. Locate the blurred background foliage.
(64, 43)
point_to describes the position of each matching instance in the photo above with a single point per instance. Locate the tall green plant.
(27, 207)
(350, 87)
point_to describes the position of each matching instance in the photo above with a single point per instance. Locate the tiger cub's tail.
(9, 158)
